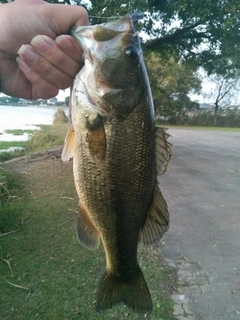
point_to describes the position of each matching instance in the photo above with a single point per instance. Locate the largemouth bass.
(117, 156)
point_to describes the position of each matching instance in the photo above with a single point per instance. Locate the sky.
(63, 94)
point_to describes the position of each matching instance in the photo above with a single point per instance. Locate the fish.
(118, 155)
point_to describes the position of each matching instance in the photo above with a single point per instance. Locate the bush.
(224, 119)
(60, 117)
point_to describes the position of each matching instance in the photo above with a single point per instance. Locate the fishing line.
(135, 17)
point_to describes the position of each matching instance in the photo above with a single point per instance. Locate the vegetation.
(11, 202)
(60, 117)
(19, 132)
(171, 82)
(47, 137)
(13, 149)
(225, 91)
(9, 144)
(224, 118)
(227, 118)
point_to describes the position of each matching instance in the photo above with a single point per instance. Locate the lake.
(24, 118)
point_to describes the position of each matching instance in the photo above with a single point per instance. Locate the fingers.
(68, 45)
(40, 88)
(53, 64)
(50, 65)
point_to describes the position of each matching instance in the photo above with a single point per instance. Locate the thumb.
(62, 17)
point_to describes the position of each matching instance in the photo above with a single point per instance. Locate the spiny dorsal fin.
(68, 147)
(163, 150)
(157, 221)
(88, 235)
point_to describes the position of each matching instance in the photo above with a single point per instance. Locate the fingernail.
(23, 66)
(41, 44)
(27, 54)
(64, 42)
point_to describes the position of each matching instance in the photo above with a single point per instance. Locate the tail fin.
(134, 293)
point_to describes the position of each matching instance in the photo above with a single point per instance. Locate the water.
(23, 118)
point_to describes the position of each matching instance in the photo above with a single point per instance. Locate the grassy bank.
(44, 273)
(47, 137)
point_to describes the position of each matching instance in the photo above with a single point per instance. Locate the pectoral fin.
(97, 144)
(68, 147)
(88, 235)
(157, 221)
(163, 150)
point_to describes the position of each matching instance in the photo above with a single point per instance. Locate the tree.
(67, 100)
(171, 82)
(224, 90)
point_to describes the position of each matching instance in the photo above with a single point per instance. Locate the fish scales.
(114, 159)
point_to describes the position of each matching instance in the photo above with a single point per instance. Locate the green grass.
(19, 132)
(7, 155)
(9, 144)
(47, 137)
(12, 200)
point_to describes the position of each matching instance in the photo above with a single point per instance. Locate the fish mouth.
(86, 35)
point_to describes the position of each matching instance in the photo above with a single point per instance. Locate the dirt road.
(202, 187)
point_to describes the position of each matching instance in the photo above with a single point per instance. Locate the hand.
(37, 57)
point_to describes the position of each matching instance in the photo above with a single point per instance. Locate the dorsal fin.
(68, 147)
(158, 217)
(163, 150)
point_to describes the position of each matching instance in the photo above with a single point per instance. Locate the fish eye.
(132, 52)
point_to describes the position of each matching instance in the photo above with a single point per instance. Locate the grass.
(9, 144)
(19, 132)
(45, 274)
(12, 193)
(47, 137)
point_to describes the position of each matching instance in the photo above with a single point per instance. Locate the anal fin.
(88, 235)
(157, 221)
